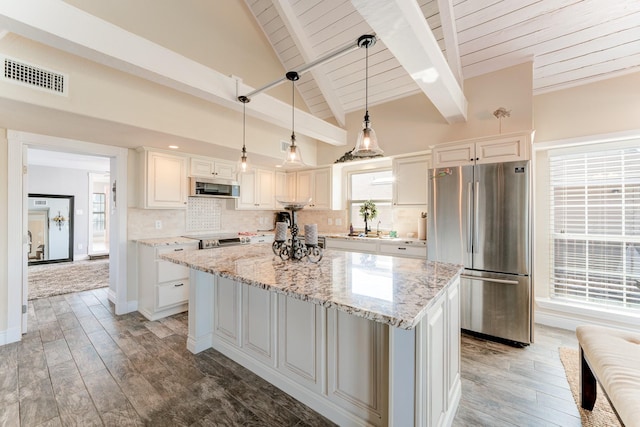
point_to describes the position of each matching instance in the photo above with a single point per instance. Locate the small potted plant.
(368, 211)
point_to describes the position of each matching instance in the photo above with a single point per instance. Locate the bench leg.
(588, 388)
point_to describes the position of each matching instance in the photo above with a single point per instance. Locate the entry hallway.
(81, 365)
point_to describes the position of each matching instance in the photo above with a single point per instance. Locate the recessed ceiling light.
(174, 147)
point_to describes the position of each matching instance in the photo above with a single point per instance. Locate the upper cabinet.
(410, 180)
(164, 180)
(495, 149)
(315, 184)
(211, 168)
(257, 190)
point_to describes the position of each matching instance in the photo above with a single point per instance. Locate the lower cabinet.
(163, 287)
(337, 363)
(402, 248)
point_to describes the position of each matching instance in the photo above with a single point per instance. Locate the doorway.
(19, 145)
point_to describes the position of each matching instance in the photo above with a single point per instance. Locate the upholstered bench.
(612, 358)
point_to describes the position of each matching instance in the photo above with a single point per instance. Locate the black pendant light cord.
(366, 84)
(244, 118)
(293, 111)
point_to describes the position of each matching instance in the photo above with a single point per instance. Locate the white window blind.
(595, 227)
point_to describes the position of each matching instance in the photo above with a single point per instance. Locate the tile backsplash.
(213, 215)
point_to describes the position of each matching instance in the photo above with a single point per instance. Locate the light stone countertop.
(167, 241)
(392, 290)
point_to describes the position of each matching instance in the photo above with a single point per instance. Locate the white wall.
(68, 182)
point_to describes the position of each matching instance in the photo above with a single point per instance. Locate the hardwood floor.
(81, 365)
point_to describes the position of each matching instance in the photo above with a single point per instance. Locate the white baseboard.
(10, 335)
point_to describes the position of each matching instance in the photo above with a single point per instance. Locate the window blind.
(595, 227)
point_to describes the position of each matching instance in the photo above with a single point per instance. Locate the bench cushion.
(614, 357)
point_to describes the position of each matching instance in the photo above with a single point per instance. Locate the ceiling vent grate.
(34, 76)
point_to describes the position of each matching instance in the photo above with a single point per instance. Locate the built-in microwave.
(214, 187)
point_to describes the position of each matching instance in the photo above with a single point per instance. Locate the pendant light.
(367, 143)
(243, 163)
(293, 159)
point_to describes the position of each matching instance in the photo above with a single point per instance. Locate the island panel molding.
(364, 339)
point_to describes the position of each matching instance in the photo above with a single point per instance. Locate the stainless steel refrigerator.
(479, 216)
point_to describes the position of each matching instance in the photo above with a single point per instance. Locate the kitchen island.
(363, 339)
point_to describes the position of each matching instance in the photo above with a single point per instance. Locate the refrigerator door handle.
(476, 195)
(487, 279)
(469, 217)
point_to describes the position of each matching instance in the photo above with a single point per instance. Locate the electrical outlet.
(158, 224)
(338, 221)
(329, 221)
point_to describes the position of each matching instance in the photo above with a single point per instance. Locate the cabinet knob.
(471, 160)
(477, 158)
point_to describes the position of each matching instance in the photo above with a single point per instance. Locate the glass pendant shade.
(367, 143)
(293, 158)
(243, 163)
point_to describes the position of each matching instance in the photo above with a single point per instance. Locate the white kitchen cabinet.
(164, 180)
(402, 248)
(353, 368)
(315, 184)
(285, 187)
(226, 318)
(163, 287)
(495, 149)
(257, 189)
(366, 246)
(258, 334)
(212, 168)
(300, 352)
(410, 183)
(392, 247)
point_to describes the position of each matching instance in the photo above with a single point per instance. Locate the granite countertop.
(166, 241)
(405, 240)
(392, 290)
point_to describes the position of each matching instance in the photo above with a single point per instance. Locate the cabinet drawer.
(352, 245)
(168, 271)
(173, 293)
(404, 250)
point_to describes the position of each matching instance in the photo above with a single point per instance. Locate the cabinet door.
(410, 184)
(436, 364)
(201, 167)
(453, 337)
(304, 185)
(366, 246)
(454, 155)
(506, 149)
(264, 197)
(300, 338)
(226, 170)
(226, 310)
(403, 250)
(258, 323)
(247, 199)
(357, 373)
(321, 195)
(166, 181)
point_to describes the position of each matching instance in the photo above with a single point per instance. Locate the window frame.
(350, 202)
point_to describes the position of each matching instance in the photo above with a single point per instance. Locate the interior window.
(374, 185)
(595, 227)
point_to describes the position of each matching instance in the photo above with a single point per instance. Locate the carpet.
(602, 414)
(47, 280)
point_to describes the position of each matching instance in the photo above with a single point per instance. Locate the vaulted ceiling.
(570, 42)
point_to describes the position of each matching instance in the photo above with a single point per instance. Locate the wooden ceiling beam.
(62, 26)
(307, 52)
(401, 26)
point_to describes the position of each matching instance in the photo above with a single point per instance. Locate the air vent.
(34, 76)
(40, 202)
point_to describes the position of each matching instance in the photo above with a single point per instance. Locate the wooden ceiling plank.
(307, 52)
(402, 26)
(64, 27)
(620, 66)
(448, 22)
